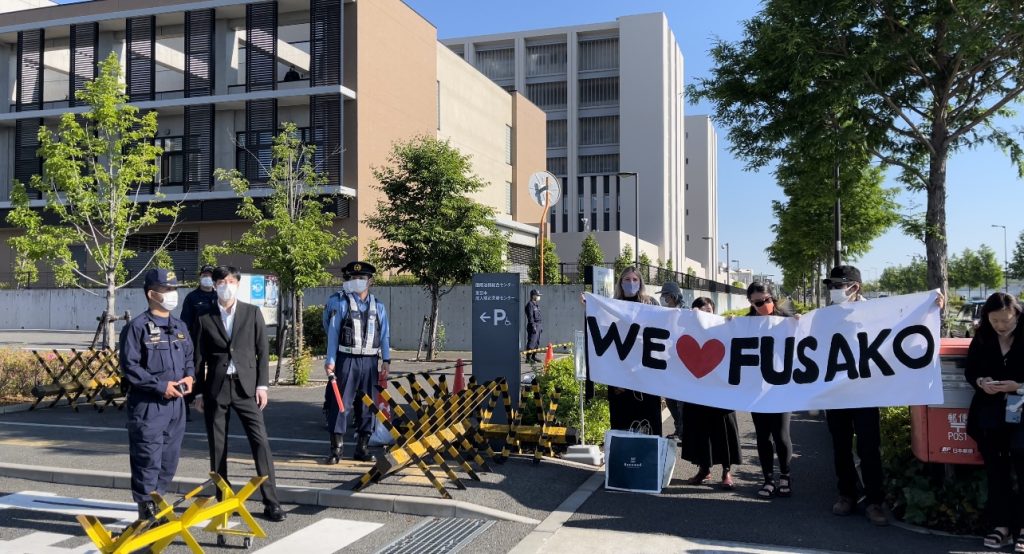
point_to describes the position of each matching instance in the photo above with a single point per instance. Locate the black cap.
(843, 274)
(534, 292)
(354, 269)
(206, 269)
(671, 287)
(161, 278)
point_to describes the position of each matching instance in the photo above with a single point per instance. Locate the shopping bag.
(636, 462)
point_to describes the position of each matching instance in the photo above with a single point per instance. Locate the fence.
(573, 273)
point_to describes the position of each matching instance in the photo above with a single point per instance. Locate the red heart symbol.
(700, 360)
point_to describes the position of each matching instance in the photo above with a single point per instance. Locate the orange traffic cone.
(460, 377)
(549, 356)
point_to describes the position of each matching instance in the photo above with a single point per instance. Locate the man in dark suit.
(232, 366)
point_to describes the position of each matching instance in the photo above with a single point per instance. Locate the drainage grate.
(438, 536)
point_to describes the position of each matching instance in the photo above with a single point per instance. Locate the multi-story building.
(223, 75)
(701, 194)
(613, 94)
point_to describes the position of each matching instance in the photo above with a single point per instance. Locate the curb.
(547, 528)
(15, 408)
(304, 496)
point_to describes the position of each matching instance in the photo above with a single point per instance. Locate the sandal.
(727, 483)
(784, 490)
(997, 539)
(767, 490)
(703, 476)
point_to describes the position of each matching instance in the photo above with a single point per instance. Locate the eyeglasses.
(837, 286)
(761, 302)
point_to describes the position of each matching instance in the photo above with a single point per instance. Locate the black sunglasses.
(761, 302)
(837, 286)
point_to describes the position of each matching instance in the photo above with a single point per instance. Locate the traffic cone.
(549, 356)
(460, 377)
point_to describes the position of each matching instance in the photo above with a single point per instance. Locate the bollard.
(460, 377)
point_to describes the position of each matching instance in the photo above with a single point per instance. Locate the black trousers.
(863, 422)
(217, 411)
(1005, 507)
(773, 438)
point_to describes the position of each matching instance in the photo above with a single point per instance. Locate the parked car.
(965, 322)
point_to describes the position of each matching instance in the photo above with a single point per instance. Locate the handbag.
(636, 462)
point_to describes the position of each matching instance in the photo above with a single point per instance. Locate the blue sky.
(983, 185)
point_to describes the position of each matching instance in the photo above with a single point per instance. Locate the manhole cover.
(438, 536)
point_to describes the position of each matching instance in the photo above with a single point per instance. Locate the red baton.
(337, 394)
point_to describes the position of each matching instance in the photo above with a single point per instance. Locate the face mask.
(838, 296)
(170, 300)
(358, 286)
(765, 309)
(630, 288)
(206, 282)
(226, 292)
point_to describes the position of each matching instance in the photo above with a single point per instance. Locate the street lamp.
(636, 197)
(727, 276)
(711, 259)
(1006, 262)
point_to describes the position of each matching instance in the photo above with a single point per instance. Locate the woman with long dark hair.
(629, 408)
(995, 368)
(710, 434)
(772, 429)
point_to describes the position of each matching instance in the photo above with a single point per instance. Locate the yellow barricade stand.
(159, 531)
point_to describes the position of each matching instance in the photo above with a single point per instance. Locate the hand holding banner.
(883, 352)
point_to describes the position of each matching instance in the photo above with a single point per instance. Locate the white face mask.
(358, 286)
(206, 282)
(170, 300)
(838, 296)
(630, 288)
(227, 292)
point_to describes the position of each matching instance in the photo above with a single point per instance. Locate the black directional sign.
(496, 331)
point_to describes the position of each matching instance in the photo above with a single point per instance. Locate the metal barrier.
(87, 376)
(157, 532)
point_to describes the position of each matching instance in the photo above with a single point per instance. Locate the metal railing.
(573, 273)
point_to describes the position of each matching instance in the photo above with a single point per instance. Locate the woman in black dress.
(709, 434)
(995, 367)
(629, 408)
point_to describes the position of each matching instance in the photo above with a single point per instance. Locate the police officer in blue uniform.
(157, 361)
(197, 303)
(358, 337)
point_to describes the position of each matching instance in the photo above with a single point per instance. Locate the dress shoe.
(362, 452)
(336, 445)
(876, 515)
(273, 512)
(843, 506)
(147, 509)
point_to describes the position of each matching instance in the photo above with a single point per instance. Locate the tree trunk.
(435, 304)
(296, 347)
(935, 217)
(108, 324)
(300, 335)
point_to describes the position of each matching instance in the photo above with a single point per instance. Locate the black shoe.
(273, 512)
(336, 445)
(362, 452)
(147, 510)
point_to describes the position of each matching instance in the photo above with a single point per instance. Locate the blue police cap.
(161, 278)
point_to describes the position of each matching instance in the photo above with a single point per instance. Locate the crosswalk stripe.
(323, 537)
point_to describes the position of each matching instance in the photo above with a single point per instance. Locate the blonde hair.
(641, 295)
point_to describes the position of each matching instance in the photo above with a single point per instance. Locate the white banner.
(882, 352)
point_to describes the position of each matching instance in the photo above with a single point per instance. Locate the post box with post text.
(939, 431)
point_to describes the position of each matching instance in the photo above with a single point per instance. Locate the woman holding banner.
(995, 368)
(631, 409)
(710, 434)
(772, 429)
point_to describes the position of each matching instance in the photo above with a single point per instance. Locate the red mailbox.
(939, 431)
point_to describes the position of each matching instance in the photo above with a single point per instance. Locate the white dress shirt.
(227, 316)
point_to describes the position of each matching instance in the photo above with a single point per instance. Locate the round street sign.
(544, 182)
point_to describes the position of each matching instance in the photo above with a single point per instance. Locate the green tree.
(551, 264)
(290, 235)
(905, 279)
(590, 254)
(990, 272)
(919, 80)
(94, 163)
(645, 266)
(624, 260)
(429, 227)
(1016, 265)
(966, 270)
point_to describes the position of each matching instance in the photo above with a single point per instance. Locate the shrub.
(927, 494)
(313, 329)
(19, 371)
(561, 377)
(302, 367)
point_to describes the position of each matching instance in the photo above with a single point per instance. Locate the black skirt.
(628, 407)
(710, 436)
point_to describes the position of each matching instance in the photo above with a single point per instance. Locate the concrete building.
(613, 94)
(224, 74)
(701, 195)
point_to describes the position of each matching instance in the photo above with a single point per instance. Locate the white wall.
(701, 172)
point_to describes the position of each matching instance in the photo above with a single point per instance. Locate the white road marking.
(323, 537)
(124, 430)
(125, 512)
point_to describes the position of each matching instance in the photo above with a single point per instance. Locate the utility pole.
(1006, 263)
